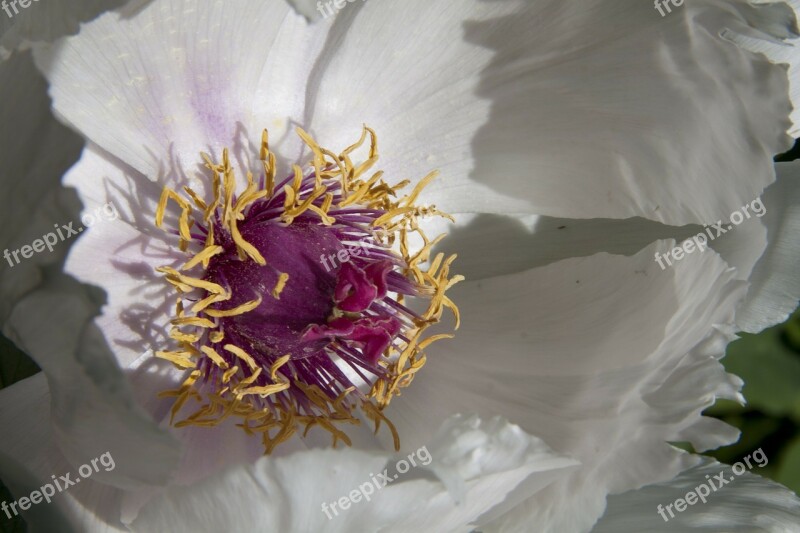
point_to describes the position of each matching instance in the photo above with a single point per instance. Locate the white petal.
(781, 51)
(606, 358)
(496, 245)
(93, 408)
(280, 103)
(308, 8)
(291, 493)
(746, 503)
(34, 157)
(775, 280)
(470, 103)
(561, 107)
(120, 252)
(29, 458)
(47, 21)
(175, 78)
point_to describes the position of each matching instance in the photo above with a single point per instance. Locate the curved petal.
(120, 252)
(29, 459)
(47, 21)
(179, 76)
(496, 245)
(746, 503)
(301, 492)
(606, 358)
(308, 8)
(485, 109)
(35, 151)
(562, 108)
(775, 280)
(783, 50)
(93, 411)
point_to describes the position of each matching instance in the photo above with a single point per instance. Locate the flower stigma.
(291, 309)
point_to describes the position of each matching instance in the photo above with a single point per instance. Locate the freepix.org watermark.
(700, 241)
(702, 491)
(62, 232)
(661, 5)
(366, 490)
(345, 254)
(8, 5)
(48, 490)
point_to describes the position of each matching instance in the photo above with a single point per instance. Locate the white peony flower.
(566, 136)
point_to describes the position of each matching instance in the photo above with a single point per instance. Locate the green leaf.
(770, 370)
(789, 466)
(793, 332)
(755, 430)
(725, 408)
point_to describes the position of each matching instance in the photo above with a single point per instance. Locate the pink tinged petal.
(373, 335)
(176, 77)
(120, 254)
(355, 290)
(377, 272)
(375, 338)
(331, 330)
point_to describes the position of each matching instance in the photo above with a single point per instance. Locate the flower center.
(291, 307)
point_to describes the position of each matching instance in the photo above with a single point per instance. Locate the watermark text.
(366, 490)
(713, 484)
(48, 490)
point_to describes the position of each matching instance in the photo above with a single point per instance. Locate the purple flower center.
(299, 314)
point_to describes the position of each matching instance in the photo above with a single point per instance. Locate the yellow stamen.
(179, 359)
(203, 256)
(245, 246)
(283, 278)
(194, 321)
(238, 310)
(214, 356)
(241, 354)
(237, 393)
(193, 282)
(277, 365)
(226, 377)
